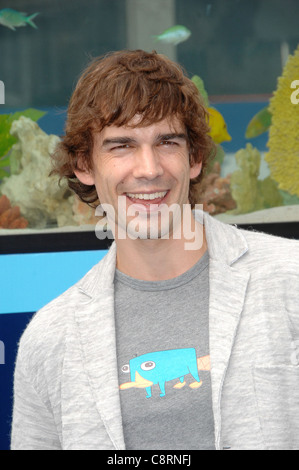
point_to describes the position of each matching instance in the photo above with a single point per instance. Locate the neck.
(160, 259)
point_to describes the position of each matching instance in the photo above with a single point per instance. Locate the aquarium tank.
(243, 56)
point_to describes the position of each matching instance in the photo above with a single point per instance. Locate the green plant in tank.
(9, 161)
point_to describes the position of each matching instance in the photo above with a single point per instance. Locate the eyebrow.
(130, 140)
(174, 135)
(118, 140)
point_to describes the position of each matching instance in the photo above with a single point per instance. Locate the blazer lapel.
(97, 333)
(228, 287)
(227, 294)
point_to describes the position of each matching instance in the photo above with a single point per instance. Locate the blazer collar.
(225, 243)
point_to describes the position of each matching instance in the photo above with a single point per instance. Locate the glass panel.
(239, 48)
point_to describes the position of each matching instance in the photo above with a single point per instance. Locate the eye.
(149, 365)
(125, 369)
(120, 147)
(168, 142)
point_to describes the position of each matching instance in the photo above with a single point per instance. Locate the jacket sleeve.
(33, 426)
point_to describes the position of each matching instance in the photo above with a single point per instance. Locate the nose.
(147, 163)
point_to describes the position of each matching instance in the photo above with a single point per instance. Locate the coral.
(214, 192)
(42, 200)
(283, 143)
(244, 185)
(250, 193)
(10, 217)
(84, 214)
(7, 139)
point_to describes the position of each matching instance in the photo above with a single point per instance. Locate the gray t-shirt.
(162, 332)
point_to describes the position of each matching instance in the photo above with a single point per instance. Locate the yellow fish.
(218, 127)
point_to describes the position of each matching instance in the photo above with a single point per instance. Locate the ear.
(83, 173)
(195, 169)
(86, 177)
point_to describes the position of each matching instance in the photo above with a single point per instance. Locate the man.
(184, 336)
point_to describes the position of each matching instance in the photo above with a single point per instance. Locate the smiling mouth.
(147, 198)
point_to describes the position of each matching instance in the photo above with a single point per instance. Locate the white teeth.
(147, 196)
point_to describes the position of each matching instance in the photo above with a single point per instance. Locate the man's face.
(144, 166)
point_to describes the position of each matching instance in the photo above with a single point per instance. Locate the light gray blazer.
(66, 393)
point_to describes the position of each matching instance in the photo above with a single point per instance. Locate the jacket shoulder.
(46, 331)
(266, 246)
(229, 243)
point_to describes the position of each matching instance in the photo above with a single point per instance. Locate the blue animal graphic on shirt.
(161, 366)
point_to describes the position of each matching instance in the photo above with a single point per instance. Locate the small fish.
(208, 9)
(13, 19)
(218, 127)
(259, 124)
(174, 35)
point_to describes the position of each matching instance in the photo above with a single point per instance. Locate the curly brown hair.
(111, 91)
